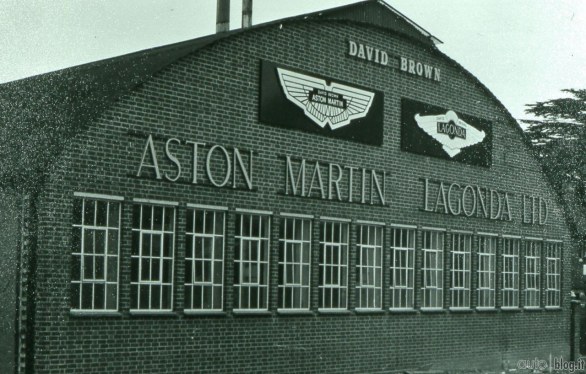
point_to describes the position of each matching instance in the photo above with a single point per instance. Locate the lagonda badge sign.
(442, 132)
(305, 101)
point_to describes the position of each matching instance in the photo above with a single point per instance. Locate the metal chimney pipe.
(223, 16)
(246, 13)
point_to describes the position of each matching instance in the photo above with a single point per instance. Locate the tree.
(559, 140)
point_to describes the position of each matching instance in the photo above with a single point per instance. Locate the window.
(486, 271)
(204, 259)
(153, 247)
(251, 262)
(532, 274)
(461, 249)
(333, 265)
(510, 291)
(369, 267)
(95, 252)
(553, 255)
(433, 269)
(294, 263)
(402, 268)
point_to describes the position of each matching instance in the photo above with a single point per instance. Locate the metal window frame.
(533, 293)
(108, 199)
(436, 272)
(241, 238)
(556, 247)
(193, 209)
(342, 245)
(150, 283)
(466, 271)
(303, 219)
(410, 255)
(515, 257)
(378, 249)
(490, 290)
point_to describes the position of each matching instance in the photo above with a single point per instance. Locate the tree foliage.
(559, 135)
(559, 139)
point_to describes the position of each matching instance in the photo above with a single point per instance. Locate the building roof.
(376, 13)
(40, 114)
(381, 14)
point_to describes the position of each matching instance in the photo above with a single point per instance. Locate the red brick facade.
(212, 97)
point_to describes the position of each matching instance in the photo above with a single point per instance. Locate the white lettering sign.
(381, 57)
(368, 53)
(223, 166)
(475, 201)
(420, 69)
(339, 182)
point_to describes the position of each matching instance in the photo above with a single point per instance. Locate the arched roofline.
(77, 95)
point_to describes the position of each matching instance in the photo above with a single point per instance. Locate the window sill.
(152, 313)
(403, 310)
(94, 313)
(553, 308)
(204, 313)
(368, 311)
(486, 309)
(532, 308)
(334, 311)
(461, 310)
(510, 309)
(432, 310)
(295, 312)
(251, 312)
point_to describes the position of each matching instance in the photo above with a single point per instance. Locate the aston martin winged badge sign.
(335, 104)
(439, 132)
(308, 102)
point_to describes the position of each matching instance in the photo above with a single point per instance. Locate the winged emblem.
(450, 131)
(335, 104)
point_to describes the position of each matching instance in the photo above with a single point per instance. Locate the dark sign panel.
(439, 132)
(308, 102)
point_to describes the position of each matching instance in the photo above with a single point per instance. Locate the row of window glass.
(96, 257)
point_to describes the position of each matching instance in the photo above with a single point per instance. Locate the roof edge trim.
(411, 22)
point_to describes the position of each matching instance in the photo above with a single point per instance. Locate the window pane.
(147, 213)
(155, 260)
(532, 273)
(460, 270)
(101, 213)
(432, 269)
(112, 242)
(368, 264)
(87, 295)
(251, 261)
(112, 269)
(333, 265)
(207, 262)
(402, 268)
(89, 212)
(510, 274)
(75, 295)
(112, 296)
(113, 215)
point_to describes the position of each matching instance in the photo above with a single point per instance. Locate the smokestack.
(223, 16)
(246, 13)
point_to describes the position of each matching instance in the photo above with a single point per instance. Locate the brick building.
(322, 193)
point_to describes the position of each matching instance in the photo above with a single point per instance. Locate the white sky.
(523, 50)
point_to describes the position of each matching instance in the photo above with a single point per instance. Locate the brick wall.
(212, 97)
(10, 207)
